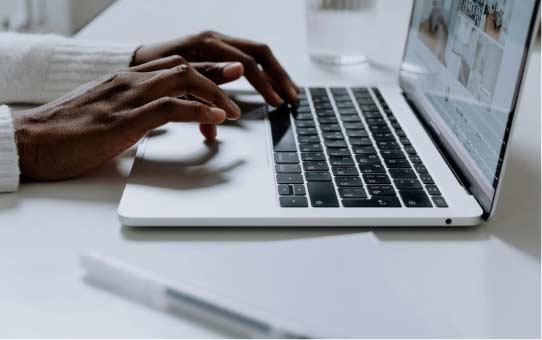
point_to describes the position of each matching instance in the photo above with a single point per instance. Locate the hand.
(92, 125)
(271, 80)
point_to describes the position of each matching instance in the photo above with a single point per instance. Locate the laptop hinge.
(445, 155)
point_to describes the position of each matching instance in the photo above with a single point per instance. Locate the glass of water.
(336, 30)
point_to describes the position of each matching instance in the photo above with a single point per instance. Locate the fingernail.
(277, 101)
(293, 93)
(236, 110)
(231, 70)
(212, 133)
(217, 115)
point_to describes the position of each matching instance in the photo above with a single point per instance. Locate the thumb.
(220, 73)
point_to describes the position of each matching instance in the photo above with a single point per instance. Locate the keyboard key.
(415, 159)
(303, 109)
(315, 166)
(281, 131)
(383, 136)
(341, 161)
(408, 184)
(307, 131)
(364, 150)
(327, 120)
(348, 182)
(322, 106)
(402, 173)
(376, 179)
(348, 111)
(346, 104)
(322, 195)
(293, 202)
(338, 152)
(368, 159)
(426, 179)
(330, 128)
(345, 171)
(339, 91)
(332, 143)
(303, 116)
(420, 168)
(410, 150)
(374, 202)
(392, 154)
(376, 168)
(381, 190)
(388, 145)
(325, 113)
(286, 158)
(305, 124)
(376, 121)
(432, 190)
(405, 141)
(288, 168)
(357, 133)
(313, 156)
(285, 190)
(353, 126)
(311, 147)
(351, 118)
(397, 163)
(380, 129)
(440, 202)
(415, 199)
(361, 141)
(372, 114)
(333, 135)
(318, 177)
(308, 139)
(299, 190)
(400, 133)
(352, 193)
(289, 179)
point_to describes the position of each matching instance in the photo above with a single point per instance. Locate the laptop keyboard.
(328, 155)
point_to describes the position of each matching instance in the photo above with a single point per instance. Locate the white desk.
(480, 282)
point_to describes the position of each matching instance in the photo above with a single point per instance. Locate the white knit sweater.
(39, 68)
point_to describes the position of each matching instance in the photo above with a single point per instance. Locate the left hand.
(271, 80)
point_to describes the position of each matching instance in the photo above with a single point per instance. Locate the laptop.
(429, 151)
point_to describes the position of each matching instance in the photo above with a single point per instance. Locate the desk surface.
(479, 282)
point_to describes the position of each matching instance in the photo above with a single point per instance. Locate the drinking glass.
(336, 30)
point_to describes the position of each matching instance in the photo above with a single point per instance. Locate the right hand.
(78, 132)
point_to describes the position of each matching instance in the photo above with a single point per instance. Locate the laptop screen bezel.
(454, 159)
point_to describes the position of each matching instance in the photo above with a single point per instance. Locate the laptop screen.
(463, 63)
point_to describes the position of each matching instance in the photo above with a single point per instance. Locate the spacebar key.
(374, 202)
(322, 195)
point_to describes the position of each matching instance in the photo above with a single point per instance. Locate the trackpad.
(179, 167)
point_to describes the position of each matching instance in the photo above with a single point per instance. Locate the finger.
(184, 80)
(169, 109)
(208, 131)
(220, 73)
(220, 51)
(263, 55)
(160, 64)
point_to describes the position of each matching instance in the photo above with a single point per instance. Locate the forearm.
(40, 68)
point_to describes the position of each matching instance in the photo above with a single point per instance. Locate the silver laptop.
(429, 151)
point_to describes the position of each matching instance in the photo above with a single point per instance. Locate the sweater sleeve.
(9, 162)
(36, 69)
(40, 68)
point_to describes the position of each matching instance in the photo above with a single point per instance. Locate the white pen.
(157, 293)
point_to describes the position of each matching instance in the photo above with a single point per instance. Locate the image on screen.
(469, 55)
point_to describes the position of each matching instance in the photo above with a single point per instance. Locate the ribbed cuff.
(9, 161)
(74, 63)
